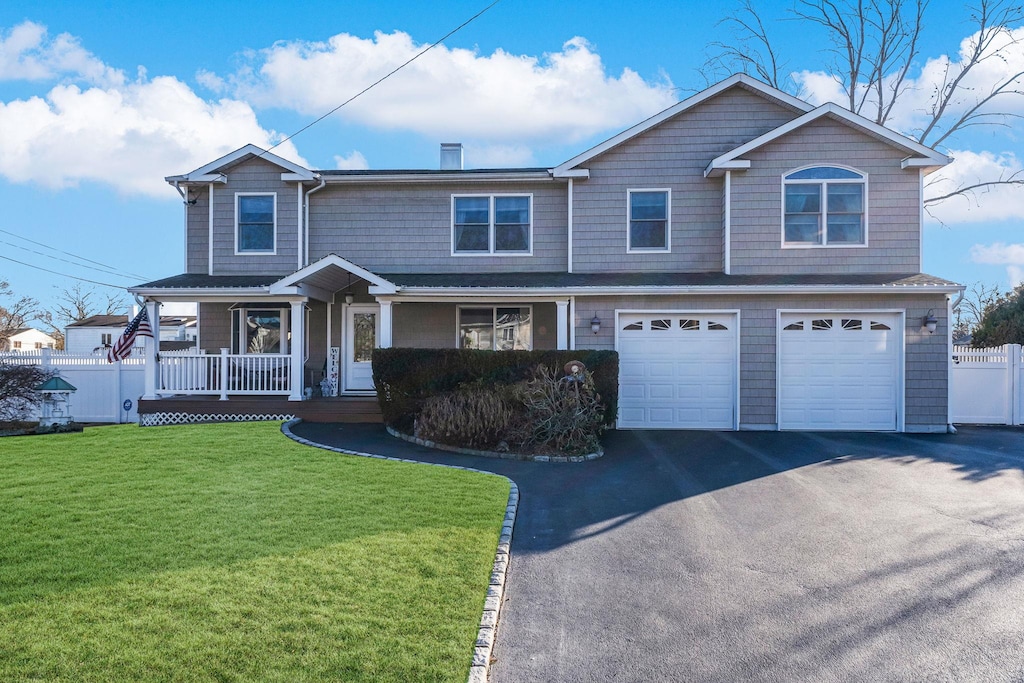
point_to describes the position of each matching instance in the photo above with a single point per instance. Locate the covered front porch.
(311, 335)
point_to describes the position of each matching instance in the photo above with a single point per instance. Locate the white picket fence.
(987, 385)
(106, 392)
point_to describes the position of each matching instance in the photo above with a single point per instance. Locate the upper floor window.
(255, 223)
(824, 206)
(649, 220)
(492, 224)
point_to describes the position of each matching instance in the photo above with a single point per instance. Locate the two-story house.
(755, 260)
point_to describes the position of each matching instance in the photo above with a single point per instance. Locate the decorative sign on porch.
(330, 384)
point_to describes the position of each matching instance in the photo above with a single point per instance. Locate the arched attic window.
(824, 206)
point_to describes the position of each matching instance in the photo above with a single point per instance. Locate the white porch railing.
(264, 374)
(987, 385)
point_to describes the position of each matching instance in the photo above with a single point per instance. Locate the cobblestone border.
(493, 454)
(496, 590)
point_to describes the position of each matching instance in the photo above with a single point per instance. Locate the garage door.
(839, 371)
(677, 370)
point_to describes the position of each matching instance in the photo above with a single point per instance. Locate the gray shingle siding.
(893, 197)
(254, 175)
(672, 155)
(407, 228)
(197, 255)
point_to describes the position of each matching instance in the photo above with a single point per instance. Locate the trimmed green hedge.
(406, 377)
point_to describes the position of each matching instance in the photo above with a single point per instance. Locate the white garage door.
(677, 370)
(839, 371)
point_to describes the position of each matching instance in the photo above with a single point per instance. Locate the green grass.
(231, 553)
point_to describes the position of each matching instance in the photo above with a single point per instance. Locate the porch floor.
(333, 409)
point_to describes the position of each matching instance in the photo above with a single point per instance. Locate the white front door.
(362, 327)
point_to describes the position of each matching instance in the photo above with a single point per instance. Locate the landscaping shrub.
(564, 414)
(476, 418)
(18, 395)
(406, 378)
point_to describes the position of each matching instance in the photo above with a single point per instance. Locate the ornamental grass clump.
(472, 418)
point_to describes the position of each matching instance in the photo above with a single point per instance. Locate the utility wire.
(77, 265)
(68, 253)
(73, 277)
(391, 73)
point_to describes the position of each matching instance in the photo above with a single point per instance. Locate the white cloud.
(448, 93)
(993, 203)
(26, 53)
(129, 137)
(1002, 254)
(353, 162)
(999, 253)
(498, 156)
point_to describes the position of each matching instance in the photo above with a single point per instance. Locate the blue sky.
(100, 101)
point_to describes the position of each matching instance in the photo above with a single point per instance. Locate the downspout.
(184, 202)
(569, 231)
(323, 182)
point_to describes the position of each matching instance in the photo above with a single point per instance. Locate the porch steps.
(337, 409)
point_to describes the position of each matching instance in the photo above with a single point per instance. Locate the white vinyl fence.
(987, 385)
(107, 392)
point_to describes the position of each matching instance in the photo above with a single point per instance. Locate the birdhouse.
(56, 407)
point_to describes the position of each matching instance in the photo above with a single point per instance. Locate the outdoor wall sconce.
(929, 321)
(595, 324)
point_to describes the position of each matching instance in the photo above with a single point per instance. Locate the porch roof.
(661, 282)
(327, 272)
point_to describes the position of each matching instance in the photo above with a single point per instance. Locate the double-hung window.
(824, 206)
(496, 328)
(650, 223)
(255, 223)
(258, 330)
(492, 224)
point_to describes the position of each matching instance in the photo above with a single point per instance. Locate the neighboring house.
(755, 260)
(27, 340)
(97, 333)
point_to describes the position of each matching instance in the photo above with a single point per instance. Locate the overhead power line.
(391, 73)
(73, 277)
(68, 253)
(64, 260)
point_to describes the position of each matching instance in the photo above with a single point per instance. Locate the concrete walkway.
(725, 556)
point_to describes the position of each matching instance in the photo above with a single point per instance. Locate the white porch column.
(562, 324)
(385, 325)
(296, 322)
(152, 348)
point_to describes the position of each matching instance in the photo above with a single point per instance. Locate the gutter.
(680, 289)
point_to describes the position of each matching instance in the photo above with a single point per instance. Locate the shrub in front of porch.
(505, 399)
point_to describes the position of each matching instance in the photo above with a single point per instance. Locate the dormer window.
(824, 206)
(255, 223)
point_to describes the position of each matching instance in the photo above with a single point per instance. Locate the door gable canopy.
(331, 273)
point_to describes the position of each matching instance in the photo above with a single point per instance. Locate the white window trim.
(824, 206)
(243, 312)
(272, 252)
(494, 314)
(668, 221)
(490, 227)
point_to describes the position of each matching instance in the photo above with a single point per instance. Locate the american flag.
(122, 348)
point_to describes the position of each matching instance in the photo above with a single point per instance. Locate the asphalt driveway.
(725, 556)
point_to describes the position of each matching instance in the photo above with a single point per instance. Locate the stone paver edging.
(496, 590)
(493, 454)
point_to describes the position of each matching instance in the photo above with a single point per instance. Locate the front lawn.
(231, 553)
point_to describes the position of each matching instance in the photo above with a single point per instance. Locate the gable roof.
(209, 172)
(738, 80)
(323, 273)
(920, 155)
